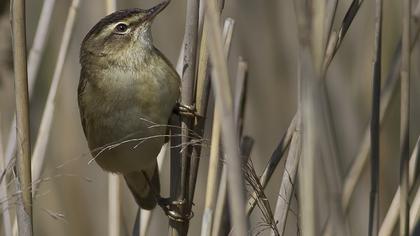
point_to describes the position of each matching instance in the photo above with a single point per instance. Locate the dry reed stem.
(391, 217)
(220, 204)
(114, 183)
(362, 156)
(7, 225)
(222, 191)
(48, 113)
(114, 205)
(203, 100)
(34, 60)
(145, 216)
(23, 157)
(187, 98)
(331, 9)
(288, 183)
(273, 162)
(375, 123)
(223, 97)
(203, 87)
(336, 38)
(310, 33)
(212, 177)
(415, 212)
(405, 118)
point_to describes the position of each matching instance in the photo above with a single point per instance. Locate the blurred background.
(265, 35)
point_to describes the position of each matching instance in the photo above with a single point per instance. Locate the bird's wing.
(80, 92)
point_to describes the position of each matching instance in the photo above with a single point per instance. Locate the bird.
(126, 94)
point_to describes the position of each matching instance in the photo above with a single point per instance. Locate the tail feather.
(138, 183)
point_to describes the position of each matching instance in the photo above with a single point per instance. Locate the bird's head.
(121, 32)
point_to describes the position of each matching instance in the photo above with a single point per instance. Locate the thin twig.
(375, 123)
(23, 161)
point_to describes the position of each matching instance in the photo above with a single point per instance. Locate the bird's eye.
(121, 28)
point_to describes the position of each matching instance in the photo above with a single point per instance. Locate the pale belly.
(125, 141)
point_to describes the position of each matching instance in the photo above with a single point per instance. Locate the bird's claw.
(186, 110)
(172, 209)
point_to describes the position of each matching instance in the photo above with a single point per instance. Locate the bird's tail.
(140, 182)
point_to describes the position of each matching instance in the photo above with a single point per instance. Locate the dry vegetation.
(308, 121)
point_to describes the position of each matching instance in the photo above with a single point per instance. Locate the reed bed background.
(309, 120)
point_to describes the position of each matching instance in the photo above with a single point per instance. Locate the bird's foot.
(173, 209)
(186, 110)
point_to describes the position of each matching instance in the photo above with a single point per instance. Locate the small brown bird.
(127, 92)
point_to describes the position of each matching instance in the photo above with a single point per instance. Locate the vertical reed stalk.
(187, 98)
(212, 177)
(114, 183)
(23, 161)
(34, 60)
(375, 124)
(405, 118)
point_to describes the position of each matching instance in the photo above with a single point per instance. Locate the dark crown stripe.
(113, 18)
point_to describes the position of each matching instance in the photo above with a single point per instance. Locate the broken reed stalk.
(391, 217)
(114, 183)
(223, 97)
(405, 118)
(375, 124)
(48, 113)
(187, 98)
(23, 157)
(335, 39)
(288, 182)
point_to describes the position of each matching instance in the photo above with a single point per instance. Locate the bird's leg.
(169, 206)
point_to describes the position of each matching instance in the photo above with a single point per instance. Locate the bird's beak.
(154, 11)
